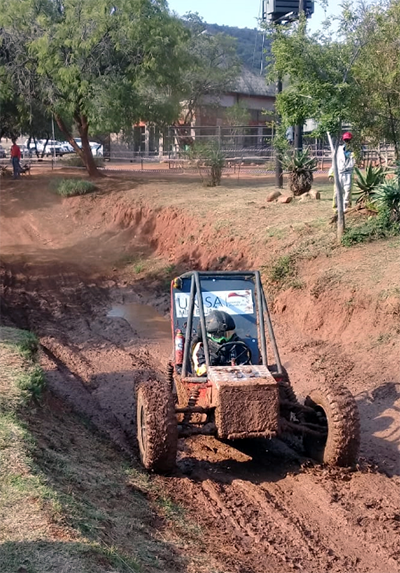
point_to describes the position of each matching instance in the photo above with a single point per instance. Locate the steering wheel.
(245, 350)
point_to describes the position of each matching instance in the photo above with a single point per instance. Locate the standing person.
(346, 163)
(15, 159)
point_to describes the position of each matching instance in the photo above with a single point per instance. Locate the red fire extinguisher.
(179, 346)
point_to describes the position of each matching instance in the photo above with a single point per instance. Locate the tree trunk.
(44, 146)
(87, 157)
(85, 153)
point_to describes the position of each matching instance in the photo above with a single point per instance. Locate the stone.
(274, 195)
(285, 199)
(305, 197)
(315, 194)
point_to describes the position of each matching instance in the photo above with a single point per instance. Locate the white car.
(95, 146)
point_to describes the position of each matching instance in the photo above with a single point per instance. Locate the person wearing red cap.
(346, 163)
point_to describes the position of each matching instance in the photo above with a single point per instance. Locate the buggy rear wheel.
(157, 430)
(335, 411)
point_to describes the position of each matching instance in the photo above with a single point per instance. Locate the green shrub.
(300, 167)
(71, 187)
(374, 176)
(210, 156)
(75, 161)
(387, 198)
(378, 226)
(283, 272)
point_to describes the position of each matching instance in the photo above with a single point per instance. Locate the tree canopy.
(213, 65)
(101, 64)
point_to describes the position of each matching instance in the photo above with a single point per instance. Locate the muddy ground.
(262, 506)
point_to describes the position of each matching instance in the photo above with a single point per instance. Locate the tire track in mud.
(255, 518)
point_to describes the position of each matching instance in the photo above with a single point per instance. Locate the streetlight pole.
(278, 164)
(298, 132)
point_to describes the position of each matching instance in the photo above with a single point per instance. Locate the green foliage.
(237, 114)
(299, 161)
(32, 383)
(377, 113)
(320, 70)
(387, 198)
(378, 226)
(300, 166)
(212, 65)
(99, 64)
(367, 183)
(208, 154)
(76, 161)
(250, 46)
(282, 271)
(72, 187)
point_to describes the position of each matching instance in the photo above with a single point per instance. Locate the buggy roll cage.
(262, 308)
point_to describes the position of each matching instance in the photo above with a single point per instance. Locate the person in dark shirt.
(221, 337)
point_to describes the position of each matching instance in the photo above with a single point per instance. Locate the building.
(209, 122)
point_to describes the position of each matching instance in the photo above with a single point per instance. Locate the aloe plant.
(367, 183)
(300, 166)
(387, 196)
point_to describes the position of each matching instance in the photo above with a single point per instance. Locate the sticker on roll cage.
(231, 301)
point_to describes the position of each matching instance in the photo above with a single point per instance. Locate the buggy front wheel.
(157, 430)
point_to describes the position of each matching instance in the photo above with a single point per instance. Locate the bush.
(300, 167)
(210, 156)
(374, 176)
(378, 226)
(71, 187)
(75, 161)
(387, 197)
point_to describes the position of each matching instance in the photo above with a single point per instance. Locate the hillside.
(249, 44)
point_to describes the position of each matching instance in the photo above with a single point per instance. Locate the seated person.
(221, 336)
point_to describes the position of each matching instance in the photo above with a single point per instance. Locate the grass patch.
(76, 161)
(283, 273)
(373, 228)
(69, 501)
(72, 187)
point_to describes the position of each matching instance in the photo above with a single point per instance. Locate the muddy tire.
(157, 431)
(336, 410)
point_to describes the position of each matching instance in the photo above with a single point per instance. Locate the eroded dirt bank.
(261, 506)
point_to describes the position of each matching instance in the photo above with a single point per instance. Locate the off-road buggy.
(251, 400)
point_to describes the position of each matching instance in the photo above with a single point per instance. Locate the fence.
(244, 147)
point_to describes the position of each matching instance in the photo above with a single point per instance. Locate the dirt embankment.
(258, 507)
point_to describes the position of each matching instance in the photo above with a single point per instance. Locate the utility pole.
(298, 132)
(281, 12)
(278, 164)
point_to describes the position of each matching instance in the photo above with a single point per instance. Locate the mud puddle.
(144, 319)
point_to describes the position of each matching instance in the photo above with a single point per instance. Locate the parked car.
(26, 153)
(95, 146)
(66, 147)
(3, 154)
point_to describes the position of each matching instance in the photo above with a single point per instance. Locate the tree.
(377, 72)
(99, 65)
(320, 69)
(213, 66)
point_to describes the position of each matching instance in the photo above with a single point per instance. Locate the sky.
(241, 13)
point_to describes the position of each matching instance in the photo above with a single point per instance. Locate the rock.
(274, 195)
(305, 197)
(315, 194)
(285, 199)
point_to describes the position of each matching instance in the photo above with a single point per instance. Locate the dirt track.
(262, 507)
